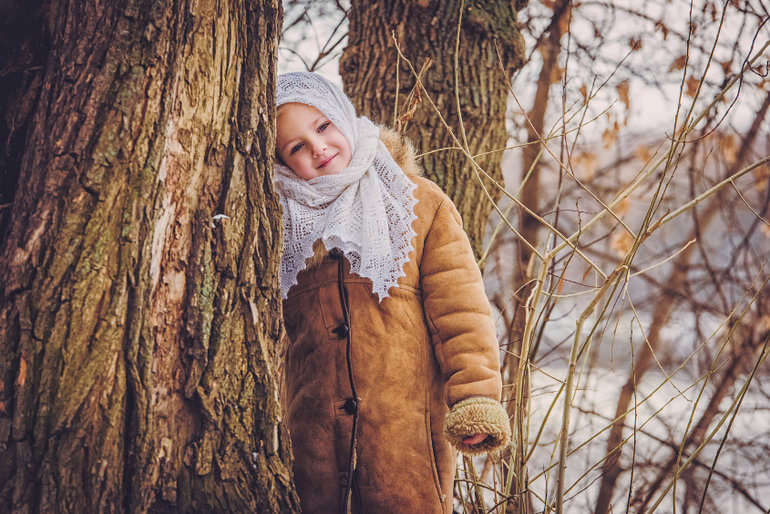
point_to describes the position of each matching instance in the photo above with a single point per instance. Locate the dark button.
(341, 331)
(350, 406)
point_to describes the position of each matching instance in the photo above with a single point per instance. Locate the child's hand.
(474, 439)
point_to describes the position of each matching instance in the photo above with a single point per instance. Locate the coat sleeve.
(463, 333)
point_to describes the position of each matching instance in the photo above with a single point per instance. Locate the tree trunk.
(427, 29)
(137, 338)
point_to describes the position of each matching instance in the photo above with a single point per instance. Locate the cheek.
(291, 162)
(347, 154)
(345, 146)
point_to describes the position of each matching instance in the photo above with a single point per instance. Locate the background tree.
(465, 69)
(136, 337)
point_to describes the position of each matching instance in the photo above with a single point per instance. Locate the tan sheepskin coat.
(428, 347)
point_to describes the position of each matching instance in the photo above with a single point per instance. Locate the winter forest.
(610, 160)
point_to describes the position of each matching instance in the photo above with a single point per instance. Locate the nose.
(319, 147)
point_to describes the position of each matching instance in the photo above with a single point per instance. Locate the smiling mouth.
(327, 161)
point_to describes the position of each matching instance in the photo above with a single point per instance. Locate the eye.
(296, 148)
(324, 126)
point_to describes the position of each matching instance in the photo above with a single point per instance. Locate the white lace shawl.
(366, 210)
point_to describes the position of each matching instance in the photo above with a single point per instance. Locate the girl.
(392, 351)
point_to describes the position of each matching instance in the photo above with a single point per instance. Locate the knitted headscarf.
(366, 210)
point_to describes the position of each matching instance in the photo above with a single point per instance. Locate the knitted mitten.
(476, 416)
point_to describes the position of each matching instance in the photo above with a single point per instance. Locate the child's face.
(310, 144)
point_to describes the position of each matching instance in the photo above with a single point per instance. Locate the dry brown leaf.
(692, 86)
(761, 177)
(609, 137)
(659, 25)
(407, 116)
(584, 91)
(622, 208)
(679, 63)
(635, 43)
(643, 153)
(729, 147)
(623, 93)
(621, 243)
(587, 162)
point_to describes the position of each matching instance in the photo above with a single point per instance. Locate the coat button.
(350, 406)
(341, 331)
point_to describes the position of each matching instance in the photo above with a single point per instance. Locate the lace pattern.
(366, 210)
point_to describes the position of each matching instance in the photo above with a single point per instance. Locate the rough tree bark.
(427, 29)
(136, 339)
